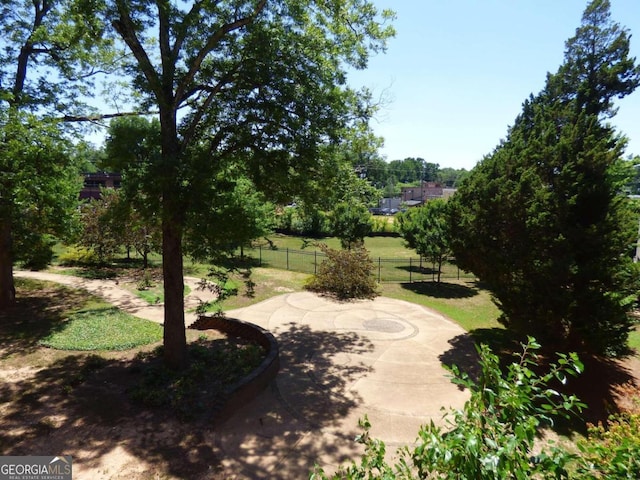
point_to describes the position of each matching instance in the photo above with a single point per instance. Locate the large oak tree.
(243, 88)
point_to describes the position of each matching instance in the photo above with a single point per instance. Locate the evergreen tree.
(542, 219)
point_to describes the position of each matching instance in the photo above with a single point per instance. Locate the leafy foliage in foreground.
(345, 273)
(493, 436)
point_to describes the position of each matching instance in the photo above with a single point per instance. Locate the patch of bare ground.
(78, 403)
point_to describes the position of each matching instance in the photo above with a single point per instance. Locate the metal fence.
(387, 270)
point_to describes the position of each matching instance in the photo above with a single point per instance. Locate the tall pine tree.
(542, 220)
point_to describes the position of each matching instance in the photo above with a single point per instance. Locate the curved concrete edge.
(246, 389)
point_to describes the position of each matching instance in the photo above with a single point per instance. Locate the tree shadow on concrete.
(79, 405)
(441, 290)
(286, 425)
(462, 354)
(288, 422)
(316, 368)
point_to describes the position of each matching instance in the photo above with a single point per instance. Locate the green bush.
(310, 222)
(612, 451)
(77, 255)
(492, 437)
(40, 255)
(345, 274)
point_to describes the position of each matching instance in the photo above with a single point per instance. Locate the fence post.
(260, 250)
(315, 262)
(410, 269)
(287, 258)
(433, 272)
(379, 270)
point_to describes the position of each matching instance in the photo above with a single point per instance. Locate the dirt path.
(114, 293)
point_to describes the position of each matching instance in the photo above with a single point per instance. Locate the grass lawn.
(264, 284)
(103, 329)
(63, 318)
(152, 294)
(382, 246)
(634, 339)
(463, 302)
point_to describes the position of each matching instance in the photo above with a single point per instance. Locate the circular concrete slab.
(340, 361)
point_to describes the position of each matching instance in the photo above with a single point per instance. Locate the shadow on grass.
(441, 290)
(417, 269)
(40, 310)
(94, 272)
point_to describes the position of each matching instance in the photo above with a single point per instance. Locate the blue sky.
(457, 72)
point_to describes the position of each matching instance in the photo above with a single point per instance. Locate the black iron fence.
(386, 269)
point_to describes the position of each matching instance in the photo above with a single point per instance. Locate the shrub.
(303, 221)
(345, 274)
(78, 256)
(383, 225)
(612, 450)
(213, 367)
(145, 282)
(40, 255)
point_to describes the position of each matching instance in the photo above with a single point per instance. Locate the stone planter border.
(240, 393)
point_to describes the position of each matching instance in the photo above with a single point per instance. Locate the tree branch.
(104, 116)
(213, 40)
(197, 117)
(127, 30)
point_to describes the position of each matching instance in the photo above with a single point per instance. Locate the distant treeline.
(391, 175)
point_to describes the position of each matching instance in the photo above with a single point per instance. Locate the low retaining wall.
(243, 391)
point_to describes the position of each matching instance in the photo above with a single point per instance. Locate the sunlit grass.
(634, 340)
(464, 302)
(379, 246)
(154, 294)
(103, 329)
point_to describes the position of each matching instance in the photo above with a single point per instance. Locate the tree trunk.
(175, 341)
(7, 288)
